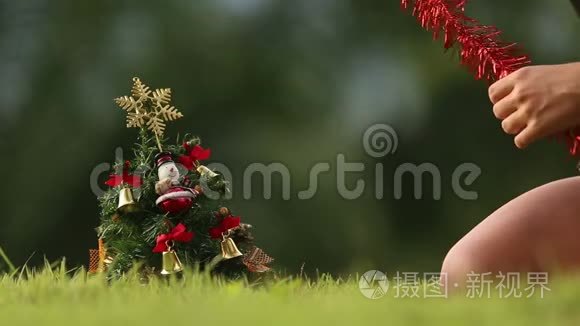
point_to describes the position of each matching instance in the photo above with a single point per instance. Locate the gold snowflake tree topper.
(148, 109)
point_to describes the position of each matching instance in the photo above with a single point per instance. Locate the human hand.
(538, 101)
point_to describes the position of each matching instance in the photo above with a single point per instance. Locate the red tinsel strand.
(481, 49)
(458, 4)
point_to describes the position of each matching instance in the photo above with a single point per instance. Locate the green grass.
(55, 296)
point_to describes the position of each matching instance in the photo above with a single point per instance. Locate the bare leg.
(537, 231)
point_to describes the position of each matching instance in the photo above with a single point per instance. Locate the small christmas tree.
(162, 210)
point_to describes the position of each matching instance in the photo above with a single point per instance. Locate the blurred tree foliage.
(265, 81)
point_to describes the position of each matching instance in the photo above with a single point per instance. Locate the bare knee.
(457, 265)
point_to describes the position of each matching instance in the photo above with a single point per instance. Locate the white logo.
(373, 284)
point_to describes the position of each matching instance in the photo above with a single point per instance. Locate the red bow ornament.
(195, 153)
(226, 224)
(178, 234)
(125, 178)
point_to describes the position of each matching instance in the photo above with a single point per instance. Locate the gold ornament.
(170, 262)
(224, 211)
(127, 203)
(229, 248)
(98, 259)
(94, 261)
(146, 108)
(205, 172)
(256, 260)
(198, 188)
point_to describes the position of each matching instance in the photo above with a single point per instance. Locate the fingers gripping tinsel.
(480, 46)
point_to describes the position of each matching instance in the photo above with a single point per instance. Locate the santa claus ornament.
(174, 198)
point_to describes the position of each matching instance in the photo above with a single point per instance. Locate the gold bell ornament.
(170, 262)
(229, 248)
(205, 172)
(211, 182)
(127, 202)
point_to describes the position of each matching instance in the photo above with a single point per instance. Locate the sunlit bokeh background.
(295, 82)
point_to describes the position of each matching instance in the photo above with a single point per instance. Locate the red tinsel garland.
(481, 49)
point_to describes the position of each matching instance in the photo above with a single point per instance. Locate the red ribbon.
(226, 224)
(125, 178)
(178, 233)
(195, 153)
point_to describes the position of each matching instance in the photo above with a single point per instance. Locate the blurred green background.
(295, 82)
